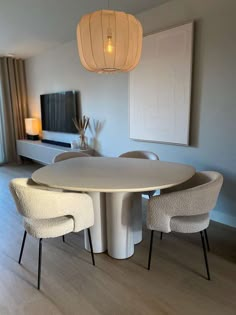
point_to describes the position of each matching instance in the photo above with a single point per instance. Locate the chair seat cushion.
(47, 228)
(190, 224)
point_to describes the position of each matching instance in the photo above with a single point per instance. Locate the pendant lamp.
(109, 41)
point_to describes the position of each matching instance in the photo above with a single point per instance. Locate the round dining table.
(116, 186)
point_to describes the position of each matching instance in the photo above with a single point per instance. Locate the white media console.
(43, 153)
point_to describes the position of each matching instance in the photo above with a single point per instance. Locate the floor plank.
(71, 285)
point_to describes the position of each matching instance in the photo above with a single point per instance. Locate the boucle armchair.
(140, 155)
(185, 208)
(68, 155)
(50, 214)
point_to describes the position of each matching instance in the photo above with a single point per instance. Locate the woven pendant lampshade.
(109, 41)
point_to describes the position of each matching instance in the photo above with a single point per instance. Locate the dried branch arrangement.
(81, 124)
(96, 127)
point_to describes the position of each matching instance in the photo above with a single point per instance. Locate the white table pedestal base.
(121, 224)
(98, 230)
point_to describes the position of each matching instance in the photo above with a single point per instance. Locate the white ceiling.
(29, 27)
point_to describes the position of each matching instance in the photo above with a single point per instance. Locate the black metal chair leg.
(63, 238)
(205, 256)
(39, 262)
(91, 246)
(22, 247)
(207, 242)
(150, 250)
(161, 235)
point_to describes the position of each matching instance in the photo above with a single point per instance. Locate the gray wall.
(105, 97)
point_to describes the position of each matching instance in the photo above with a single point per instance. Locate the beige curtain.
(13, 106)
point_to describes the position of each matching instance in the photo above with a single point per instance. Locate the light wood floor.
(72, 286)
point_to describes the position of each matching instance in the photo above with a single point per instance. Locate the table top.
(112, 174)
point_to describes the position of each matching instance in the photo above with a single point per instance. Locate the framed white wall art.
(160, 87)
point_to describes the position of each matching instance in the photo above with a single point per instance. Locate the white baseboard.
(223, 218)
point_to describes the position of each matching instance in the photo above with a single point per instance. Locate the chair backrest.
(140, 155)
(32, 200)
(69, 155)
(200, 192)
(208, 184)
(207, 178)
(40, 202)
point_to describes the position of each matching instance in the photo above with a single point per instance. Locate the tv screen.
(58, 110)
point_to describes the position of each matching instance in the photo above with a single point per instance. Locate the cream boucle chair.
(140, 155)
(50, 214)
(185, 208)
(68, 155)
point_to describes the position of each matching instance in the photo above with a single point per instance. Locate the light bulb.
(109, 48)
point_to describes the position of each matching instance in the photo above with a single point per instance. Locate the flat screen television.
(58, 111)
